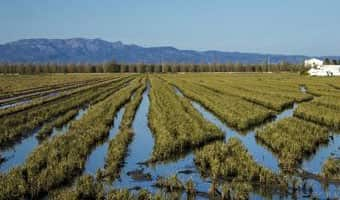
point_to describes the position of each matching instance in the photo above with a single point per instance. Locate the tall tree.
(327, 61)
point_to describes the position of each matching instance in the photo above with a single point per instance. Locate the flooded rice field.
(228, 107)
(137, 174)
(97, 158)
(17, 154)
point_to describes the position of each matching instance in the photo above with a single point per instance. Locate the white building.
(325, 70)
(313, 62)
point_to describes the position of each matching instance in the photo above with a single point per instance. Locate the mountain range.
(81, 50)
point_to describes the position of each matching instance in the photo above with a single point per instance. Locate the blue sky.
(309, 27)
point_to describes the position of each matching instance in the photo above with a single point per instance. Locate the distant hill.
(82, 50)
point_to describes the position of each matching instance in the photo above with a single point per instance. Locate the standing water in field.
(303, 89)
(17, 154)
(66, 127)
(260, 154)
(267, 159)
(314, 163)
(141, 147)
(4, 106)
(135, 174)
(97, 158)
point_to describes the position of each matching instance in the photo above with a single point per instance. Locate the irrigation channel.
(96, 160)
(17, 154)
(26, 101)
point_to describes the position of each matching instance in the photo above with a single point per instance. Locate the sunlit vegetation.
(57, 161)
(14, 85)
(20, 124)
(241, 100)
(321, 87)
(262, 98)
(231, 161)
(86, 187)
(291, 139)
(47, 92)
(47, 129)
(328, 101)
(176, 125)
(118, 146)
(331, 168)
(322, 110)
(235, 111)
(55, 96)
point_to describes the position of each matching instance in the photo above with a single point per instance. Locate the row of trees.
(328, 61)
(113, 67)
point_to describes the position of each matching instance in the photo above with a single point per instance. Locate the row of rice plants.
(57, 161)
(62, 95)
(291, 139)
(89, 188)
(272, 94)
(321, 89)
(14, 126)
(86, 186)
(47, 128)
(331, 168)
(176, 125)
(235, 111)
(276, 103)
(21, 84)
(41, 92)
(274, 88)
(281, 85)
(231, 163)
(118, 146)
(324, 110)
(328, 101)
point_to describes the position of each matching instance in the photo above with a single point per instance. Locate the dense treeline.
(113, 67)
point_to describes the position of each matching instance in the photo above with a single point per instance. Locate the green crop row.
(88, 188)
(231, 161)
(176, 125)
(14, 85)
(59, 160)
(331, 168)
(291, 139)
(15, 126)
(322, 89)
(62, 95)
(47, 92)
(118, 146)
(261, 88)
(267, 100)
(328, 101)
(323, 113)
(47, 128)
(235, 111)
